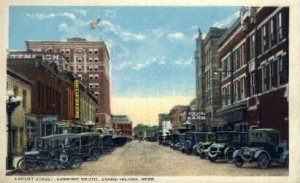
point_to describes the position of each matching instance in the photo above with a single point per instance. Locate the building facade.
(161, 118)
(207, 82)
(21, 86)
(178, 117)
(254, 57)
(122, 125)
(89, 60)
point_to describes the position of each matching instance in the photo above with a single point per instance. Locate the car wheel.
(229, 155)
(94, 155)
(211, 159)
(22, 165)
(238, 161)
(202, 155)
(263, 161)
(53, 165)
(76, 162)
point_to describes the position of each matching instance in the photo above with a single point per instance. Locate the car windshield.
(200, 137)
(223, 137)
(263, 137)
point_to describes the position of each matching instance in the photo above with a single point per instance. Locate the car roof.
(89, 134)
(270, 130)
(59, 136)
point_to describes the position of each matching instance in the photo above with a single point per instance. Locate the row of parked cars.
(66, 151)
(261, 146)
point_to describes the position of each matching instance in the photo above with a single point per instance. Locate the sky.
(151, 48)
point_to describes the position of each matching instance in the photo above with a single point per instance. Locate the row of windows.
(270, 76)
(271, 33)
(94, 85)
(88, 68)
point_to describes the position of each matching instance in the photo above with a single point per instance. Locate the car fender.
(258, 153)
(236, 153)
(228, 148)
(285, 155)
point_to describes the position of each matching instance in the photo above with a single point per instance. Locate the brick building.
(178, 117)
(89, 60)
(207, 83)
(122, 125)
(254, 57)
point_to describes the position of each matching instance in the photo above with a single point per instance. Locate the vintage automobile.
(90, 146)
(180, 144)
(201, 148)
(174, 139)
(217, 149)
(106, 143)
(53, 152)
(263, 148)
(119, 140)
(192, 140)
(240, 139)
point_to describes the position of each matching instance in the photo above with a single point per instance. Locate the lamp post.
(11, 104)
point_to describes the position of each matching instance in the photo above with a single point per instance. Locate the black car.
(222, 141)
(263, 148)
(119, 140)
(106, 143)
(191, 139)
(53, 152)
(90, 145)
(180, 144)
(174, 139)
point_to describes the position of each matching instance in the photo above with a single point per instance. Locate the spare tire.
(245, 155)
(213, 151)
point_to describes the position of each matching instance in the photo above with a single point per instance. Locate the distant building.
(166, 128)
(254, 55)
(178, 117)
(161, 118)
(122, 125)
(89, 60)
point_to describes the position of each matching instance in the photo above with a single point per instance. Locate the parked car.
(202, 146)
(217, 149)
(53, 152)
(90, 145)
(193, 140)
(180, 144)
(119, 140)
(174, 139)
(263, 148)
(106, 143)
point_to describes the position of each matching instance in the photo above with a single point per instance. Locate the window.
(235, 90)
(271, 35)
(271, 74)
(252, 83)
(252, 47)
(96, 68)
(16, 91)
(242, 86)
(96, 76)
(67, 51)
(263, 39)
(90, 59)
(241, 55)
(264, 77)
(96, 85)
(96, 51)
(279, 71)
(96, 59)
(235, 64)
(279, 27)
(24, 102)
(79, 59)
(79, 68)
(91, 85)
(91, 76)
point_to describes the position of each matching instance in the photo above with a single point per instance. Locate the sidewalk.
(15, 161)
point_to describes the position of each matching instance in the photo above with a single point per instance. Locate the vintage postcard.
(149, 92)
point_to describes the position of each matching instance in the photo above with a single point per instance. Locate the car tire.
(22, 165)
(202, 155)
(75, 162)
(212, 159)
(238, 161)
(263, 161)
(229, 155)
(94, 155)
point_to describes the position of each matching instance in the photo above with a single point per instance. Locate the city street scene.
(147, 91)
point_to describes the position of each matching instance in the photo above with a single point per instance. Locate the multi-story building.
(122, 125)
(161, 118)
(207, 83)
(254, 58)
(21, 86)
(89, 60)
(178, 117)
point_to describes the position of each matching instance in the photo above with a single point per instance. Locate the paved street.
(146, 158)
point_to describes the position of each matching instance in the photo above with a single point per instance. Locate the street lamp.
(11, 104)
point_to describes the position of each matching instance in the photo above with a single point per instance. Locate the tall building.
(161, 118)
(207, 83)
(254, 56)
(89, 60)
